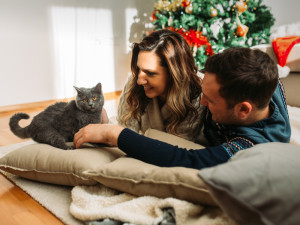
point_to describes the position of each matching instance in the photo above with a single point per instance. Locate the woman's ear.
(243, 110)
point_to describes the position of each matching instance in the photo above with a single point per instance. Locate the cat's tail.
(15, 127)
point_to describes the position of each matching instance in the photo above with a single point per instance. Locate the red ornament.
(185, 3)
(153, 16)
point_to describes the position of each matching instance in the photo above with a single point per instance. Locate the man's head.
(238, 85)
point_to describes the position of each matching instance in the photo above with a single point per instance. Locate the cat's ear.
(98, 87)
(79, 91)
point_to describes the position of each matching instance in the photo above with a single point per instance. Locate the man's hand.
(98, 133)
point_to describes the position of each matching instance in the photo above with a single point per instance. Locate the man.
(245, 99)
(245, 106)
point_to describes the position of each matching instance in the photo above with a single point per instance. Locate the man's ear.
(243, 110)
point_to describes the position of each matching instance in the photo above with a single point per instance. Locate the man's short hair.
(244, 74)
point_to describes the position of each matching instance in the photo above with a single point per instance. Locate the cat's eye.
(94, 98)
(84, 100)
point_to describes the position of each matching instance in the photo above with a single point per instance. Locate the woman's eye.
(150, 74)
(94, 98)
(84, 100)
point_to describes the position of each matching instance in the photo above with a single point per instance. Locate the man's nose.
(203, 101)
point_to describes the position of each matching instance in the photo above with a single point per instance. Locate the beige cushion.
(291, 86)
(171, 139)
(136, 177)
(45, 163)
(293, 60)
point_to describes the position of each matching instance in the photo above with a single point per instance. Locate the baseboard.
(35, 106)
(112, 95)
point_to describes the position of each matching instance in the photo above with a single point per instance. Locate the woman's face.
(152, 76)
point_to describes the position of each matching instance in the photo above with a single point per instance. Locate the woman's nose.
(141, 78)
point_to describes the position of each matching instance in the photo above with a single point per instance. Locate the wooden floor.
(17, 207)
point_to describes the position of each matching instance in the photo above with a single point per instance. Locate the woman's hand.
(98, 133)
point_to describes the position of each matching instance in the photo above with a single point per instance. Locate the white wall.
(47, 46)
(284, 11)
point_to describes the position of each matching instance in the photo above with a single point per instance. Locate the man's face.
(216, 104)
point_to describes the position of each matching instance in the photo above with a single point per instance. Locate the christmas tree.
(210, 26)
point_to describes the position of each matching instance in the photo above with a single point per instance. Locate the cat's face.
(90, 99)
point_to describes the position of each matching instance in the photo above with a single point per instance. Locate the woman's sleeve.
(167, 155)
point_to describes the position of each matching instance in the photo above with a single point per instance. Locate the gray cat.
(58, 123)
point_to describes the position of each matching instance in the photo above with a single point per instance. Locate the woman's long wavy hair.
(184, 87)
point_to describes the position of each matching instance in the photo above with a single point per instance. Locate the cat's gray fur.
(58, 123)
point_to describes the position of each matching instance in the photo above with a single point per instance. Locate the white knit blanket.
(99, 202)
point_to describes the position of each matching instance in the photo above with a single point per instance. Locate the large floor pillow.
(258, 186)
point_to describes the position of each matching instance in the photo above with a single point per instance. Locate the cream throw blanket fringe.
(99, 202)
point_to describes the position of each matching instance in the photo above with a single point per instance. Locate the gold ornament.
(189, 9)
(242, 30)
(166, 5)
(213, 12)
(241, 6)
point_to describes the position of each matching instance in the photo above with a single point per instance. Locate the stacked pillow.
(90, 165)
(258, 186)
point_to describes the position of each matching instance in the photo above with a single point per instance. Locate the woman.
(164, 90)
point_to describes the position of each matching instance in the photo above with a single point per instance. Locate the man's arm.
(167, 155)
(149, 150)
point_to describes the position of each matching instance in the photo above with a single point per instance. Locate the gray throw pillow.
(260, 185)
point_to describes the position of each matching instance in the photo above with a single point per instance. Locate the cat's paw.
(67, 147)
(70, 148)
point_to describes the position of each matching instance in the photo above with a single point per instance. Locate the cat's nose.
(91, 105)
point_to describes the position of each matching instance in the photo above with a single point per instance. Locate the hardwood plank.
(17, 207)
